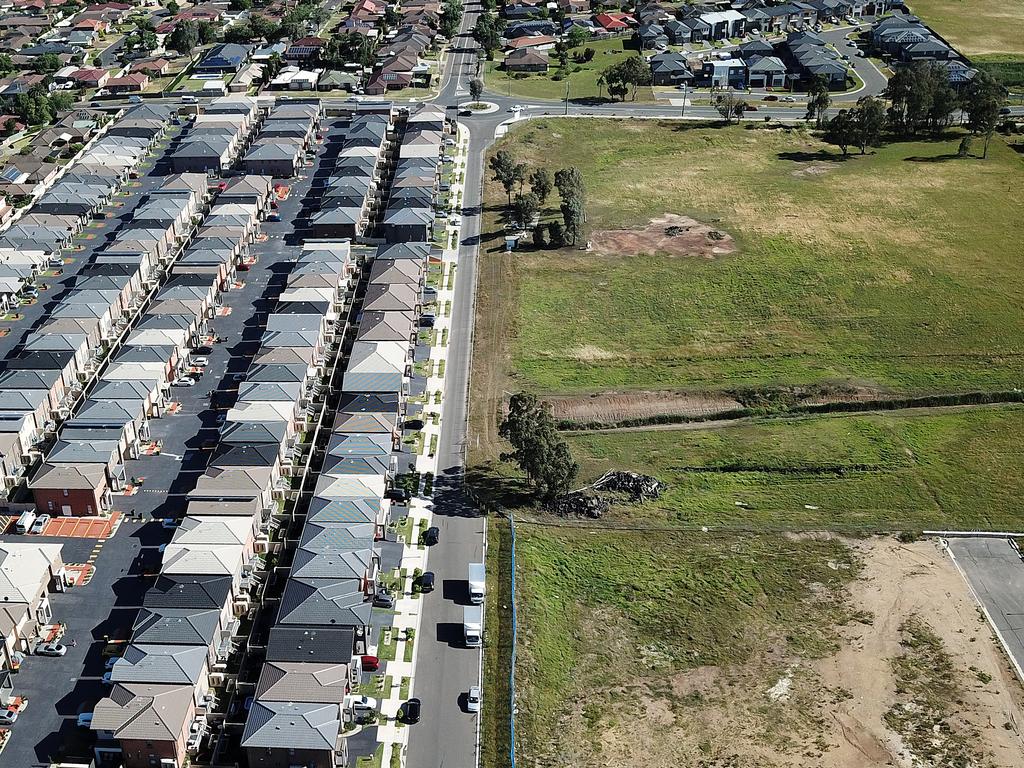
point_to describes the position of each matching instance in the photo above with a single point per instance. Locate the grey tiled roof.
(292, 725)
(176, 626)
(312, 644)
(324, 602)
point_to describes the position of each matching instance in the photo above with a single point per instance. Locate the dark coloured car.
(399, 495)
(383, 599)
(425, 581)
(431, 536)
(370, 663)
(411, 711)
(414, 424)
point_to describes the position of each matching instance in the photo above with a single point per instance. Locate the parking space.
(83, 527)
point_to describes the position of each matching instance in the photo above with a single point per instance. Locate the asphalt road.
(995, 571)
(446, 737)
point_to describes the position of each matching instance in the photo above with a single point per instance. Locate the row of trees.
(450, 19)
(920, 99)
(527, 204)
(259, 27)
(188, 35)
(537, 447)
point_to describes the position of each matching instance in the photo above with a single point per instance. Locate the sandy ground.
(786, 712)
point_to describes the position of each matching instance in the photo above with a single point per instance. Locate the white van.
(24, 524)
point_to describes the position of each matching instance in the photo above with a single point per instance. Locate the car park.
(473, 699)
(51, 649)
(40, 524)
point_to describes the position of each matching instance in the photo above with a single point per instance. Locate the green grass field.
(895, 271)
(907, 471)
(607, 610)
(976, 26)
(1006, 68)
(582, 77)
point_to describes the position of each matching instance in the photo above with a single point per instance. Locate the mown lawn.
(582, 76)
(1008, 69)
(916, 470)
(895, 271)
(600, 610)
(976, 26)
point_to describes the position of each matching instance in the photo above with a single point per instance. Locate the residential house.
(526, 60)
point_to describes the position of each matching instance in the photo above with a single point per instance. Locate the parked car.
(183, 381)
(750, 107)
(370, 663)
(40, 524)
(8, 716)
(425, 581)
(85, 719)
(51, 649)
(473, 699)
(383, 599)
(414, 424)
(431, 536)
(770, 97)
(788, 99)
(168, 522)
(399, 495)
(201, 361)
(410, 711)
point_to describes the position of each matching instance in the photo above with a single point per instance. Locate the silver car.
(473, 699)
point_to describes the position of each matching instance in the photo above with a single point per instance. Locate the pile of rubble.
(580, 504)
(639, 487)
(587, 502)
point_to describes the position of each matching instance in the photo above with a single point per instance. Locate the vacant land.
(754, 651)
(870, 272)
(582, 79)
(893, 471)
(976, 26)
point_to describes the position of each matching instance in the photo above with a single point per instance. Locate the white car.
(788, 99)
(8, 716)
(40, 524)
(183, 381)
(201, 361)
(85, 720)
(473, 699)
(51, 649)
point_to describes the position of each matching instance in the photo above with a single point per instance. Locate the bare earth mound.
(613, 407)
(671, 234)
(856, 708)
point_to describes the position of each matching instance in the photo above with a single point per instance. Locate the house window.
(88, 509)
(65, 491)
(49, 506)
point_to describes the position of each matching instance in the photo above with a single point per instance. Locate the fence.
(512, 662)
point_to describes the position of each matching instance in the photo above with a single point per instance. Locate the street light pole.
(683, 112)
(567, 94)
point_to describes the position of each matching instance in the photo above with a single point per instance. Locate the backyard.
(867, 273)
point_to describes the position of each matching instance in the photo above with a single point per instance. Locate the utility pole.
(683, 112)
(567, 94)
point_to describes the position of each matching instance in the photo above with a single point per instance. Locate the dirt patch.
(783, 711)
(669, 234)
(812, 169)
(614, 407)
